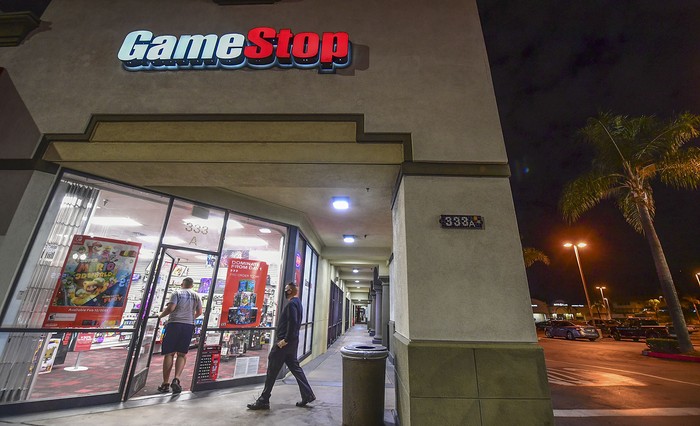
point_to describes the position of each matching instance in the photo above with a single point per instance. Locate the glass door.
(150, 308)
(175, 265)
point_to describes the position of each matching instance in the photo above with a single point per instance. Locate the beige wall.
(463, 275)
(420, 68)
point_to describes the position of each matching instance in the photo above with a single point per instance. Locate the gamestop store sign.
(261, 48)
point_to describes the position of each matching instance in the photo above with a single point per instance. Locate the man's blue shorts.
(177, 338)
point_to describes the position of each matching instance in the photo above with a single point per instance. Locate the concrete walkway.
(228, 407)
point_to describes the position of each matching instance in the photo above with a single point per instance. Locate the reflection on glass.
(194, 226)
(96, 209)
(145, 349)
(314, 286)
(242, 353)
(309, 335)
(302, 339)
(306, 283)
(61, 365)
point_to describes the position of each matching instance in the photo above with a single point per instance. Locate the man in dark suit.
(285, 352)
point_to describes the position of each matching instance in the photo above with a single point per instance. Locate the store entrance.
(171, 267)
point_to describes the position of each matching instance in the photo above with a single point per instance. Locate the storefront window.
(92, 240)
(245, 299)
(81, 274)
(306, 269)
(102, 267)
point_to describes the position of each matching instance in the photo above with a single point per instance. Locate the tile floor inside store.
(106, 365)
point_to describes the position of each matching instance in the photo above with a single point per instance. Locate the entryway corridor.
(228, 407)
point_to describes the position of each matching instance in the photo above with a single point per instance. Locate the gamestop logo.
(261, 48)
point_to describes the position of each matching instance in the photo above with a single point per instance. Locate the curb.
(675, 357)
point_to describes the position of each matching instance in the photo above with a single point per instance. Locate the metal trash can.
(364, 367)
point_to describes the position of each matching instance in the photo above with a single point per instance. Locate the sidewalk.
(228, 407)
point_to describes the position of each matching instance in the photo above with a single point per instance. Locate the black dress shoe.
(259, 405)
(305, 401)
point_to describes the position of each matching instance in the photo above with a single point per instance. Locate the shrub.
(667, 346)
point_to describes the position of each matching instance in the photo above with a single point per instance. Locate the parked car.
(542, 324)
(604, 325)
(692, 328)
(638, 328)
(571, 330)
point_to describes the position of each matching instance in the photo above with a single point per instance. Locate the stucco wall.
(420, 67)
(463, 276)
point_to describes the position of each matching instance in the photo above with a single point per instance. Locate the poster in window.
(244, 293)
(49, 355)
(92, 288)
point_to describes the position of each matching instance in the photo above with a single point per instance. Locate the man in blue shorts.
(184, 306)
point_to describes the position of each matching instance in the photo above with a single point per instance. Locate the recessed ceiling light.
(355, 270)
(166, 240)
(114, 221)
(245, 242)
(340, 203)
(265, 230)
(357, 281)
(349, 238)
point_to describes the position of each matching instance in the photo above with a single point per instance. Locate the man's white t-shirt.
(187, 303)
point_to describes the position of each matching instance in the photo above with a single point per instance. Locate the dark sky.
(555, 64)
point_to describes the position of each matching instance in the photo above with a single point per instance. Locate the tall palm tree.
(630, 153)
(532, 255)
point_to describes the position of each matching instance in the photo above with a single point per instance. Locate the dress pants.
(278, 357)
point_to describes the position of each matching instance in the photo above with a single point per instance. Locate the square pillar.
(454, 363)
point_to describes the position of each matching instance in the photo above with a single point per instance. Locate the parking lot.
(608, 382)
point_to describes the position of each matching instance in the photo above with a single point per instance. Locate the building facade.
(242, 117)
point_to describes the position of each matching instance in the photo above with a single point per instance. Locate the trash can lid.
(364, 351)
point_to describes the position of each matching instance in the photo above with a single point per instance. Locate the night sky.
(555, 64)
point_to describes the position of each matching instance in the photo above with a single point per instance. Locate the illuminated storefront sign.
(262, 48)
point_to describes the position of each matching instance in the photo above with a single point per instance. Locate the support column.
(378, 330)
(370, 311)
(385, 311)
(453, 363)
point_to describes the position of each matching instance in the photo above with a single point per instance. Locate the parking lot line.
(630, 412)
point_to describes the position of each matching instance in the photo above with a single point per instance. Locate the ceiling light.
(341, 203)
(166, 240)
(265, 230)
(357, 281)
(349, 238)
(355, 270)
(114, 221)
(146, 254)
(245, 242)
(233, 224)
(358, 286)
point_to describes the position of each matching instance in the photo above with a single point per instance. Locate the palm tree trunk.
(666, 281)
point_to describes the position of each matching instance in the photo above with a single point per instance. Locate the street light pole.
(605, 301)
(580, 270)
